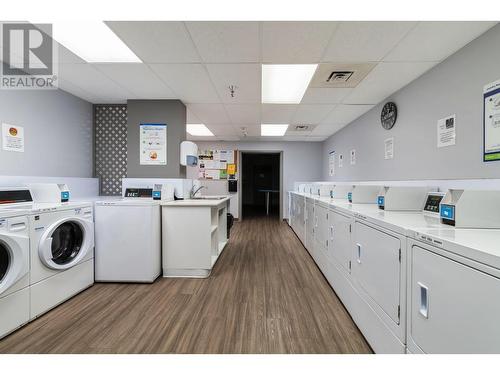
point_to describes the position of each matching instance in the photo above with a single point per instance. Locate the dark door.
(261, 184)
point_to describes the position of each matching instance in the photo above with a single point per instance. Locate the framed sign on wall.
(491, 121)
(153, 148)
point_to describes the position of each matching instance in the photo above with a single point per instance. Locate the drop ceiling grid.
(195, 82)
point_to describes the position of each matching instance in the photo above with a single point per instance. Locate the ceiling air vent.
(340, 76)
(332, 75)
(301, 128)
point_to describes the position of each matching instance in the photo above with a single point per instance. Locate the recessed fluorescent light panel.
(199, 130)
(93, 41)
(273, 130)
(287, 83)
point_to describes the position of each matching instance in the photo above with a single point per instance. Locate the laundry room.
(194, 179)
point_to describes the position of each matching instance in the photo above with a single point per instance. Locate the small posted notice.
(446, 131)
(153, 144)
(353, 157)
(12, 138)
(331, 163)
(341, 160)
(389, 148)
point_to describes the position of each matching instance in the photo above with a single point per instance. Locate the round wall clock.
(389, 115)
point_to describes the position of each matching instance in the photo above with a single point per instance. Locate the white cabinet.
(309, 225)
(340, 244)
(321, 237)
(377, 267)
(297, 218)
(453, 307)
(378, 272)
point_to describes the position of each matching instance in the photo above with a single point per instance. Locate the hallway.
(265, 295)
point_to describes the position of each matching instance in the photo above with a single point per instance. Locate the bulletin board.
(217, 164)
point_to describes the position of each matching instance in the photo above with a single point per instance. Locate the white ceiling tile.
(195, 138)
(295, 42)
(191, 118)
(226, 42)
(312, 138)
(89, 79)
(222, 130)
(157, 41)
(243, 113)
(343, 114)
(294, 138)
(78, 92)
(311, 113)
(325, 130)
(139, 79)
(325, 96)
(384, 80)
(365, 41)
(209, 113)
(434, 41)
(65, 56)
(278, 113)
(246, 78)
(190, 82)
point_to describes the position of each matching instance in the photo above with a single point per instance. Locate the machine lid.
(15, 196)
(67, 240)
(5, 261)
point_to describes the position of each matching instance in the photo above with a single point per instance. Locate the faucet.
(193, 192)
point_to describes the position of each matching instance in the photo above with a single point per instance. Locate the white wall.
(58, 133)
(453, 87)
(301, 162)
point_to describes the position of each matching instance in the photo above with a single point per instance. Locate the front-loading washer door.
(11, 263)
(5, 261)
(65, 243)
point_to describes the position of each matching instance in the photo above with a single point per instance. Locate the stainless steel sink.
(210, 198)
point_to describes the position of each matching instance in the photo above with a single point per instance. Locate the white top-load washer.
(128, 236)
(14, 261)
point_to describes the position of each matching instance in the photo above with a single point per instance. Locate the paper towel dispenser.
(189, 153)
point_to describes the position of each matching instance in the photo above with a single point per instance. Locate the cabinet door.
(453, 308)
(321, 225)
(376, 267)
(340, 245)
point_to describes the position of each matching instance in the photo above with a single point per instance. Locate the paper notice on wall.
(230, 156)
(153, 144)
(331, 163)
(353, 157)
(446, 131)
(491, 121)
(341, 160)
(212, 174)
(231, 169)
(389, 148)
(12, 138)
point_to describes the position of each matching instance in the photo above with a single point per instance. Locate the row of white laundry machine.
(46, 251)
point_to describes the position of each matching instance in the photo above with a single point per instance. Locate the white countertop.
(205, 202)
(481, 245)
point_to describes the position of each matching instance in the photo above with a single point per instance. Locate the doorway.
(261, 193)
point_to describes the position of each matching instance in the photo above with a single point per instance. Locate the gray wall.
(453, 87)
(170, 112)
(301, 160)
(58, 133)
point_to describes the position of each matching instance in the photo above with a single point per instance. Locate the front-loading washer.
(14, 266)
(61, 253)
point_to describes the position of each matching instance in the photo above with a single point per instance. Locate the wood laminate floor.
(265, 295)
